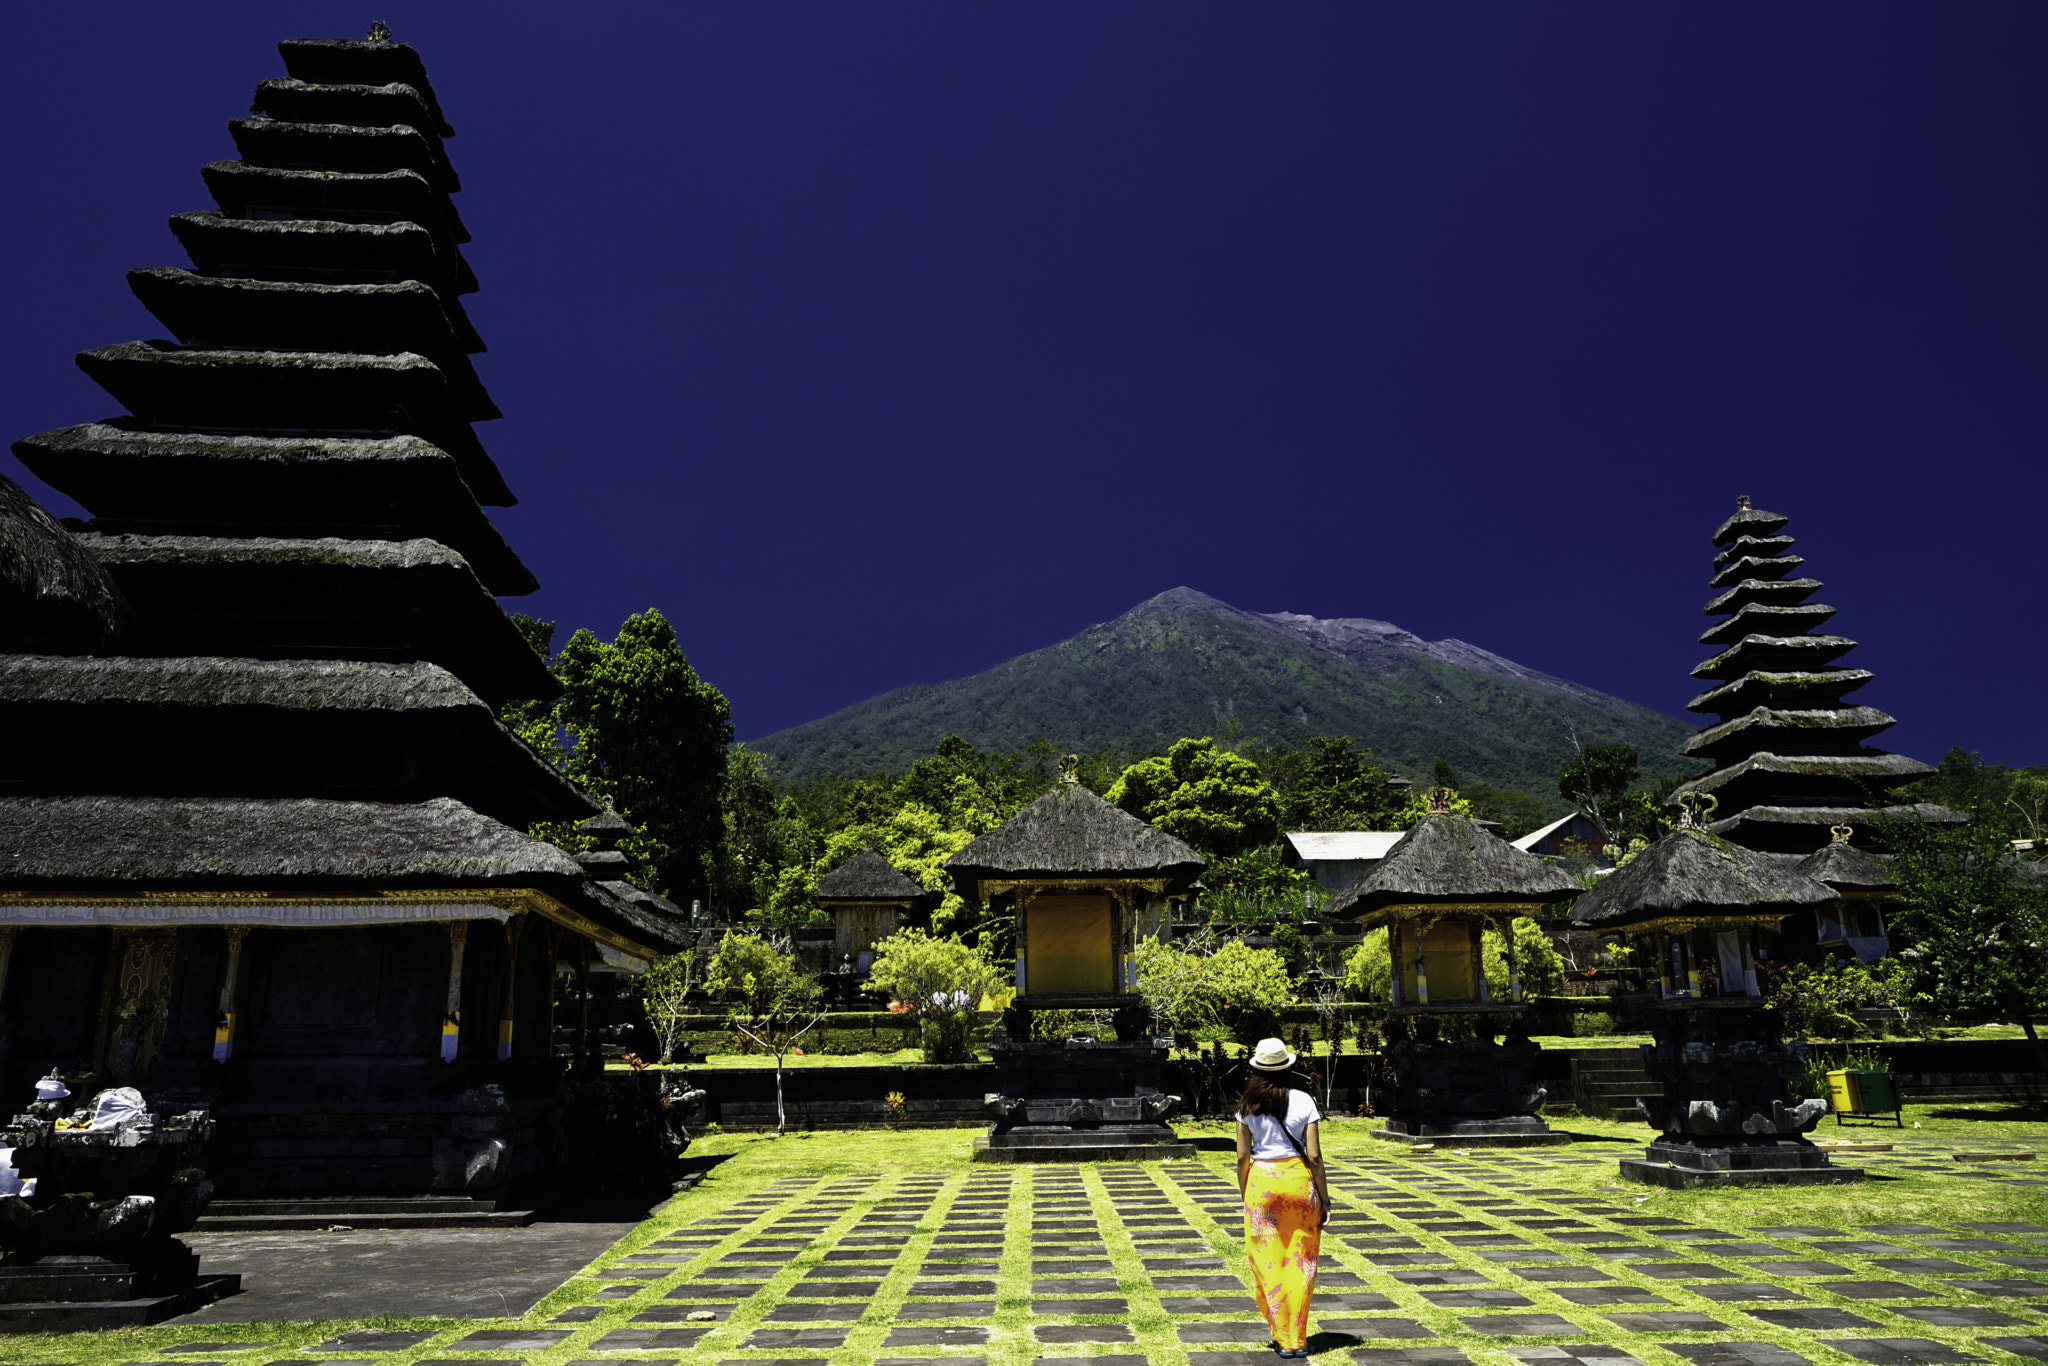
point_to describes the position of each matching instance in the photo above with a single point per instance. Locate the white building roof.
(1530, 840)
(1338, 846)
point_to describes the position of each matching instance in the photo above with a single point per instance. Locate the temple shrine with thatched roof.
(867, 897)
(1080, 880)
(1791, 758)
(262, 850)
(1436, 892)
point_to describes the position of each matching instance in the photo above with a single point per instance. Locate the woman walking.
(1286, 1195)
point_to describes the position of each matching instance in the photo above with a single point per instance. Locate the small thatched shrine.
(261, 848)
(1078, 876)
(867, 896)
(1863, 884)
(1692, 903)
(1790, 756)
(1441, 886)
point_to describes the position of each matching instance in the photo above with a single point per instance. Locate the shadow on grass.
(1631, 1141)
(1209, 1143)
(1333, 1342)
(2015, 1112)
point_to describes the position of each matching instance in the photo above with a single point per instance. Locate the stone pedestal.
(1079, 1099)
(63, 1293)
(1727, 1114)
(1471, 1093)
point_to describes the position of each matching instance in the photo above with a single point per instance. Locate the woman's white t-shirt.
(1268, 1142)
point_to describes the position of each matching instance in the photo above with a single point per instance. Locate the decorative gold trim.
(990, 888)
(1680, 924)
(514, 900)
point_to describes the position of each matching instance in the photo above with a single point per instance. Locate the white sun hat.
(1272, 1056)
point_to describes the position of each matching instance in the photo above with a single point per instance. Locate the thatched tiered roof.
(1072, 833)
(52, 590)
(1785, 741)
(1848, 870)
(1447, 862)
(1691, 877)
(157, 849)
(868, 877)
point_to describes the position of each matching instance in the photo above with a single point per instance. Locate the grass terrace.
(847, 1248)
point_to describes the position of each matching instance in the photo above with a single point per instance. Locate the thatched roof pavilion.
(1693, 877)
(1072, 833)
(1445, 864)
(869, 878)
(286, 810)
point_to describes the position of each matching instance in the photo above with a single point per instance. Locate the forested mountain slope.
(1184, 663)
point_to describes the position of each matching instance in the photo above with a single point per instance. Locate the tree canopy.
(1216, 801)
(638, 727)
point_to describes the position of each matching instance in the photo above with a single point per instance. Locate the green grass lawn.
(874, 1162)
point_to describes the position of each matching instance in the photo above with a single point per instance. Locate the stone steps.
(368, 1211)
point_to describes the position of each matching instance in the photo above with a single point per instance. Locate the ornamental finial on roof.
(1842, 832)
(380, 32)
(1070, 768)
(1695, 809)
(1440, 800)
(1742, 502)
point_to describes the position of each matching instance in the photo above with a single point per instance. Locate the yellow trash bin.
(1842, 1096)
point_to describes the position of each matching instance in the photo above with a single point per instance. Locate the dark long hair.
(1266, 1093)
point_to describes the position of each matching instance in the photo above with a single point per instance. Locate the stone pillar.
(1507, 930)
(7, 937)
(224, 1031)
(451, 1017)
(1478, 952)
(141, 1003)
(1395, 933)
(505, 1017)
(582, 1005)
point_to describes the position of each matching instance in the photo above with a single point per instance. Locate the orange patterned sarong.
(1283, 1232)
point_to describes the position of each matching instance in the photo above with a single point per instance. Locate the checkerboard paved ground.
(1493, 1258)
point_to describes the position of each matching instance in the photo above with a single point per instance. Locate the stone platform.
(1764, 1162)
(66, 1294)
(1110, 1143)
(1513, 1131)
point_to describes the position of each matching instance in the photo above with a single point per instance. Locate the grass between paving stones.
(871, 1168)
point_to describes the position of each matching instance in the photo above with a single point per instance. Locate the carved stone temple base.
(1727, 1114)
(1080, 1100)
(1472, 1093)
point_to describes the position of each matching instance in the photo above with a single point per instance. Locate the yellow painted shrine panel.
(1446, 958)
(1069, 945)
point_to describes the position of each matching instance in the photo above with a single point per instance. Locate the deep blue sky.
(876, 343)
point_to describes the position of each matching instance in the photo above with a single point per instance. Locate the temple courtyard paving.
(891, 1249)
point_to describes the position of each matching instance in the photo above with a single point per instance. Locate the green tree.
(1237, 986)
(1973, 920)
(635, 725)
(665, 992)
(943, 980)
(1217, 802)
(1329, 784)
(1596, 781)
(773, 1001)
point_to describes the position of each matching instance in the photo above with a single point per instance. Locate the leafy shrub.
(1238, 987)
(942, 980)
(1817, 1000)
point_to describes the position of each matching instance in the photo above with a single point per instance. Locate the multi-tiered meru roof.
(290, 511)
(1790, 755)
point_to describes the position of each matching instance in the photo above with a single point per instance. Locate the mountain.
(1184, 663)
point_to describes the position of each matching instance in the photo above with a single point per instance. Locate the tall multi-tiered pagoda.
(1790, 757)
(263, 848)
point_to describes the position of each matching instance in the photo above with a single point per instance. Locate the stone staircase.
(1607, 1082)
(359, 1211)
